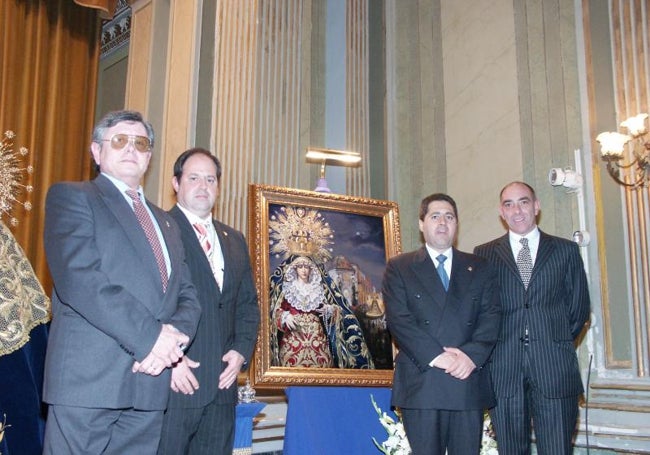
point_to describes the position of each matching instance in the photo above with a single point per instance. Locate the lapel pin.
(470, 268)
(225, 233)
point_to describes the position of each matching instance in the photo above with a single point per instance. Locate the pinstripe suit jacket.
(423, 318)
(229, 318)
(555, 307)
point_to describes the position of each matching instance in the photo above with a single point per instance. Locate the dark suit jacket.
(423, 319)
(108, 305)
(555, 307)
(229, 317)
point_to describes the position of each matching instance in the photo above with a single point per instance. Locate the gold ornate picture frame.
(329, 329)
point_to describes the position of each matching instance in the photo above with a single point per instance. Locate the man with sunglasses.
(123, 306)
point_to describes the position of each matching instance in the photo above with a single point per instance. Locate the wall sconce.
(636, 174)
(568, 178)
(330, 157)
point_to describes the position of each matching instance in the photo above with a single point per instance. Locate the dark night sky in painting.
(360, 238)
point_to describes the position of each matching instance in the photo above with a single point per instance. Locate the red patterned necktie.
(150, 231)
(203, 238)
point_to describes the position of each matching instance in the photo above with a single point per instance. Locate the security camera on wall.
(568, 178)
(582, 238)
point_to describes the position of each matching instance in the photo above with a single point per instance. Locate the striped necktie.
(204, 239)
(150, 231)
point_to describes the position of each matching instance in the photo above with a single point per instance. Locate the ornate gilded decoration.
(11, 176)
(23, 303)
(291, 233)
(299, 231)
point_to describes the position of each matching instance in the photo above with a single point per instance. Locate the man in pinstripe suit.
(534, 367)
(200, 417)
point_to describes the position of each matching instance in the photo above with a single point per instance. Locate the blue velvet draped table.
(21, 374)
(245, 412)
(334, 420)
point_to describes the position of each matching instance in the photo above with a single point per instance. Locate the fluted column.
(162, 81)
(357, 181)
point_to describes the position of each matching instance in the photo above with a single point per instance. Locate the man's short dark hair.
(532, 190)
(180, 161)
(113, 118)
(424, 205)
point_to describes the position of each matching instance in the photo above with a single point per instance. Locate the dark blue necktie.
(441, 270)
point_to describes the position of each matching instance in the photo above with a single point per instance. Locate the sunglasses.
(119, 141)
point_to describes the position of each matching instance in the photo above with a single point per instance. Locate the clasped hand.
(165, 352)
(455, 362)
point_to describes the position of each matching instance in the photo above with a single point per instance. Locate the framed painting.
(318, 260)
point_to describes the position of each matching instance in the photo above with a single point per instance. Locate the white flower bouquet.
(488, 442)
(398, 444)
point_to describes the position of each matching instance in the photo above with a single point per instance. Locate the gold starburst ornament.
(300, 231)
(12, 173)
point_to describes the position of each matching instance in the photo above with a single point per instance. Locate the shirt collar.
(433, 254)
(192, 218)
(120, 185)
(532, 236)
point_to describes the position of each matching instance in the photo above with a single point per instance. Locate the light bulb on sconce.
(330, 157)
(636, 172)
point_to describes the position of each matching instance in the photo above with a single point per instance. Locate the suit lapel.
(193, 249)
(461, 274)
(544, 252)
(123, 212)
(504, 251)
(426, 272)
(224, 242)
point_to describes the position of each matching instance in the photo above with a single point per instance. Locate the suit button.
(426, 322)
(526, 305)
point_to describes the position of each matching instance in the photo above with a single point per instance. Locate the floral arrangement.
(3, 427)
(488, 441)
(398, 444)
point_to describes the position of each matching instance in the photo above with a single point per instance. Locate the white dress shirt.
(533, 243)
(215, 257)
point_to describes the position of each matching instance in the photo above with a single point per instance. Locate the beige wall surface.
(483, 143)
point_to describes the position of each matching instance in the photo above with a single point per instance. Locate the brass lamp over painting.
(330, 157)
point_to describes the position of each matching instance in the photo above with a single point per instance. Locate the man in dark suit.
(123, 304)
(545, 301)
(443, 311)
(200, 418)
